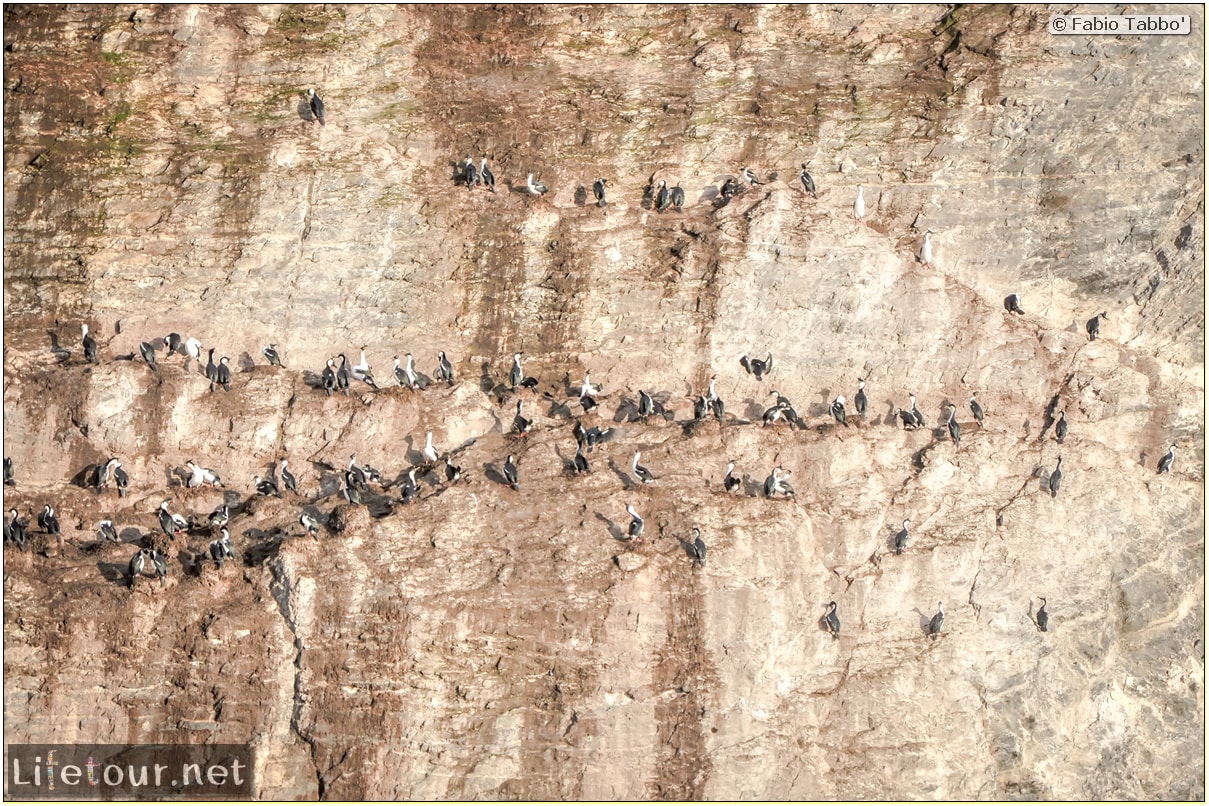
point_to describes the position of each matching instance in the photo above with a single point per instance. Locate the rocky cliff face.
(162, 175)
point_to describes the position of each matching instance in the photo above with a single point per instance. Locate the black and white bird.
(101, 476)
(677, 198)
(925, 251)
(641, 473)
(14, 530)
(646, 405)
(309, 524)
(148, 562)
(976, 409)
(1093, 324)
(147, 351)
(730, 482)
(170, 522)
(749, 177)
(444, 370)
(487, 177)
(120, 479)
(350, 493)
(663, 199)
(1055, 479)
(355, 475)
(220, 517)
(755, 366)
(343, 376)
(363, 373)
(535, 187)
(954, 426)
(729, 188)
(329, 377)
(108, 532)
(222, 375)
(516, 376)
(173, 343)
(430, 453)
(837, 411)
(776, 483)
(858, 206)
(267, 487)
(832, 620)
(1011, 303)
(287, 478)
(90, 346)
(199, 476)
(410, 489)
(715, 403)
(580, 461)
(316, 104)
(777, 412)
(221, 549)
(1166, 461)
(937, 621)
(915, 414)
(49, 521)
(598, 190)
(807, 181)
(470, 174)
(587, 394)
(274, 357)
(697, 548)
(900, 539)
(862, 402)
(211, 369)
(9, 480)
(1061, 428)
(406, 376)
(452, 472)
(510, 473)
(520, 423)
(636, 523)
(1043, 616)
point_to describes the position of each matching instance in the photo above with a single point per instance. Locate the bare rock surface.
(163, 175)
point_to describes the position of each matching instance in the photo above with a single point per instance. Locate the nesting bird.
(108, 532)
(267, 487)
(149, 562)
(202, 475)
(221, 549)
(837, 411)
(520, 423)
(776, 484)
(329, 377)
(310, 525)
(170, 522)
(535, 188)
(641, 473)
(730, 482)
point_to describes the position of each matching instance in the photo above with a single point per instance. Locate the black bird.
(677, 198)
(329, 377)
(598, 190)
(581, 461)
(701, 408)
(1012, 304)
(900, 539)
(1055, 479)
(8, 472)
(108, 532)
(833, 621)
(174, 343)
(486, 176)
(1043, 617)
(287, 478)
(976, 408)
(954, 426)
(640, 472)
(170, 522)
(211, 370)
(1093, 324)
(1165, 462)
(273, 356)
(149, 562)
(470, 175)
(316, 104)
(267, 487)
(147, 351)
(90, 347)
(510, 474)
(697, 548)
(1061, 427)
(862, 402)
(410, 489)
(837, 411)
(310, 524)
(520, 423)
(444, 369)
(730, 483)
(663, 199)
(937, 621)
(807, 182)
(636, 523)
(729, 188)
(755, 366)
(48, 521)
(223, 375)
(14, 530)
(221, 549)
(343, 377)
